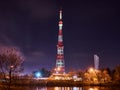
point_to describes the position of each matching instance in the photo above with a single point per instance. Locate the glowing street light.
(91, 70)
(38, 74)
(58, 68)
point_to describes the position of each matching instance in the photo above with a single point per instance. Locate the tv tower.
(60, 65)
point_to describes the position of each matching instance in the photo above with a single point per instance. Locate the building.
(96, 62)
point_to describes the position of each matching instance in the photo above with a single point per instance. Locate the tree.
(41, 73)
(92, 76)
(80, 73)
(116, 74)
(11, 61)
(106, 75)
(45, 72)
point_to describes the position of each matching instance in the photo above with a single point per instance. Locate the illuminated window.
(60, 27)
(60, 38)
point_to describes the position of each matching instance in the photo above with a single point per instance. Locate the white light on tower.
(96, 62)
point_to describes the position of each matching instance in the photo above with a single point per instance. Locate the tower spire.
(60, 66)
(60, 35)
(60, 14)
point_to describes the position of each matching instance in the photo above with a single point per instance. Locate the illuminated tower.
(60, 65)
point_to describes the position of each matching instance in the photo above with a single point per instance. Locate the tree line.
(11, 65)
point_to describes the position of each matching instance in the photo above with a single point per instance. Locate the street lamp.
(91, 70)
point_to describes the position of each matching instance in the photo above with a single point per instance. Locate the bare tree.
(11, 60)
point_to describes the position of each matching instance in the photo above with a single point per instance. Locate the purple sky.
(90, 27)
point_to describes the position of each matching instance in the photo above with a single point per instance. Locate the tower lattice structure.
(60, 65)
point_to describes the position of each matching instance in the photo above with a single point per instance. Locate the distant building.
(96, 61)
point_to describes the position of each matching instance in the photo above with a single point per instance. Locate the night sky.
(90, 27)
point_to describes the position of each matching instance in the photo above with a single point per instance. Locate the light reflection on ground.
(63, 88)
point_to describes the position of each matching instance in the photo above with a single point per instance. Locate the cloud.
(35, 59)
(78, 60)
(37, 53)
(78, 56)
(5, 40)
(37, 9)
